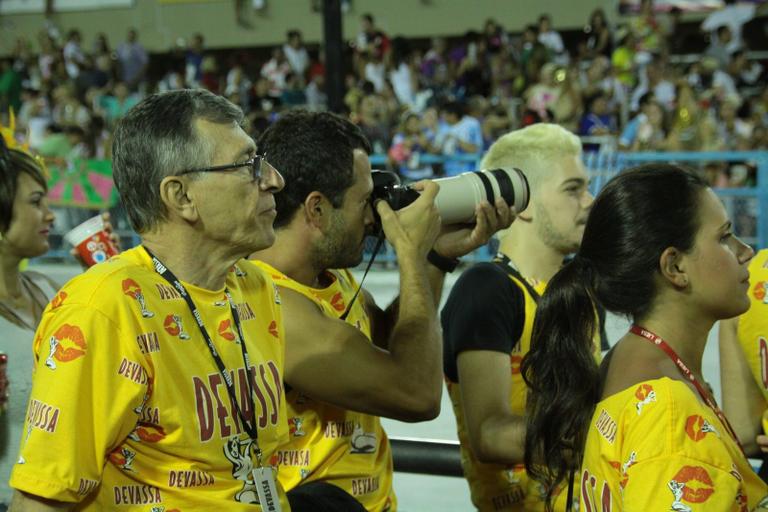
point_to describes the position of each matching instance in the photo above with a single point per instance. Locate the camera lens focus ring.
(486, 185)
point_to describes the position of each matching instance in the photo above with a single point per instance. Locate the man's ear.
(175, 194)
(317, 208)
(527, 214)
(673, 265)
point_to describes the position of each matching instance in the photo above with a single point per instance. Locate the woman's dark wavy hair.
(639, 214)
(12, 164)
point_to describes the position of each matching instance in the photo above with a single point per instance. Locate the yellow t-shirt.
(128, 410)
(327, 443)
(753, 325)
(496, 487)
(656, 446)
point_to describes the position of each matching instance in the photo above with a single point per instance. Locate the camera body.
(459, 195)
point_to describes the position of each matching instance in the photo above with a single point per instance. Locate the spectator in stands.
(371, 40)
(746, 73)
(263, 101)
(654, 80)
(533, 54)
(723, 85)
(374, 70)
(276, 70)
(92, 76)
(597, 120)
(629, 133)
(68, 110)
(47, 59)
(408, 144)
(488, 316)
(471, 71)
(651, 130)
(238, 87)
(692, 127)
(679, 41)
(730, 127)
(293, 95)
(623, 57)
(598, 77)
(734, 14)
(117, 104)
(403, 75)
(647, 29)
(104, 59)
(133, 60)
(74, 57)
(543, 95)
(552, 40)
(435, 65)
(719, 46)
(296, 54)
(317, 99)
(373, 118)
(598, 37)
(569, 105)
(495, 36)
(461, 135)
(209, 74)
(496, 123)
(10, 86)
(34, 116)
(101, 45)
(193, 60)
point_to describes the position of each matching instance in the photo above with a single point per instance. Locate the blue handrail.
(603, 165)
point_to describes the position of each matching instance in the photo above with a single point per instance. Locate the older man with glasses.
(158, 383)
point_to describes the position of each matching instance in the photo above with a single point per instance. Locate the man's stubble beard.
(337, 249)
(551, 237)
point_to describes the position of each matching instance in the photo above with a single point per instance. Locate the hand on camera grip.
(414, 228)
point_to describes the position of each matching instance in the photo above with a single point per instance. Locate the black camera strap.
(379, 243)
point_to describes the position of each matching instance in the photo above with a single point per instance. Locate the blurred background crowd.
(648, 83)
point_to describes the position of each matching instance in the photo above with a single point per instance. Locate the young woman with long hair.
(644, 428)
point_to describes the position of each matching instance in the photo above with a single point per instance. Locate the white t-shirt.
(298, 58)
(734, 17)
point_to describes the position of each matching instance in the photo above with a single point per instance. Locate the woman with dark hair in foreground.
(644, 429)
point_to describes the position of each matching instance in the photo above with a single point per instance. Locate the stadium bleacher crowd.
(630, 86)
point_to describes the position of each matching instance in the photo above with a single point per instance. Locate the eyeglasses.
(256, 164)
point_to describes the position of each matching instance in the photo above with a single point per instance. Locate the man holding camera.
(488, 317)
(323, 216)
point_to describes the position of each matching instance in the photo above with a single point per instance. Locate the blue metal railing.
(748, 207)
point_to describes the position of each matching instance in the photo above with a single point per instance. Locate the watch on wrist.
(441, 262)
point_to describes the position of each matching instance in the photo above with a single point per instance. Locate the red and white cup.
(91, 241)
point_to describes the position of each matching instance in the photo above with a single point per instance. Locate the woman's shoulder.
(48, 286)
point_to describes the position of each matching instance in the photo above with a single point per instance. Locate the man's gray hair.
(157, 138)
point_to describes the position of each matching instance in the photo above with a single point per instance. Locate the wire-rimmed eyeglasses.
(256, 165)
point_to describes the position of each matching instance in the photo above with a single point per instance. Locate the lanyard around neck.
(250, 424)
(688, 374)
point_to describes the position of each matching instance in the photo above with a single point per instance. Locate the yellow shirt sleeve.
(87, 375)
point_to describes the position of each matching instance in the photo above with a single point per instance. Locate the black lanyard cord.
(249, 426)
